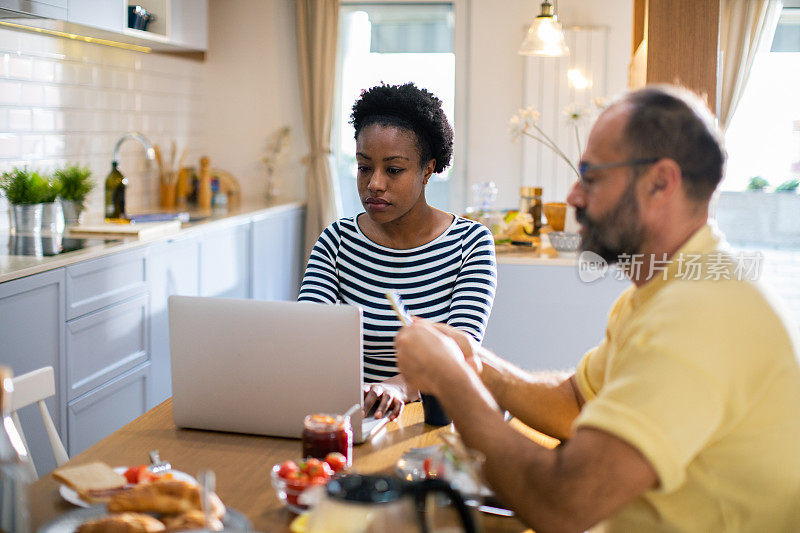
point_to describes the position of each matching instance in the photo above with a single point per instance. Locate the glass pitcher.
(357, 503)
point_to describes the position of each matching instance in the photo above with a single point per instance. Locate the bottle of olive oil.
(115, 193)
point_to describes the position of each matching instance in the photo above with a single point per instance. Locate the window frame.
(457, 191)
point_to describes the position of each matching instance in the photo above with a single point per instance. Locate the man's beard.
(616, 233)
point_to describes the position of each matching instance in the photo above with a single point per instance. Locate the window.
(391, 43)
(763, 138)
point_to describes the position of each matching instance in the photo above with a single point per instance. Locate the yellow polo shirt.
(700, 374)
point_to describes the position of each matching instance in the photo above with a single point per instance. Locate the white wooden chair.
(36, 387)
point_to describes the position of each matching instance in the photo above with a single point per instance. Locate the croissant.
(191, 520)
(122, 523)
(169, 496)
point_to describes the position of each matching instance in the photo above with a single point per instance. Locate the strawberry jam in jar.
(323, 434)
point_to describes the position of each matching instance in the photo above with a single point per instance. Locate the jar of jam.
(323, 434)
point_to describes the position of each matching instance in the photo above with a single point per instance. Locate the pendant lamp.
(545, 36)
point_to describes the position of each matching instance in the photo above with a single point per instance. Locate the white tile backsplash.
(19, 119)
(68, 101)
(9, 91)
(20, 67)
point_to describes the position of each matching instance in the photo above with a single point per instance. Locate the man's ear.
(664, 179)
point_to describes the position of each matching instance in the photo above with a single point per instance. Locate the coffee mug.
(435, 414)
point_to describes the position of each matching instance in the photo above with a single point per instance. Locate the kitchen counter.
(544, 255)
(529, 257)
(18, 266)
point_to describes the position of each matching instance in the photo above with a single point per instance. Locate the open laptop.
(250, 366)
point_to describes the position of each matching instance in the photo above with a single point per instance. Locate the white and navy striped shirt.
(450, 279)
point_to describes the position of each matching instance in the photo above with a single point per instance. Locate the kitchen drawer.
(107, 408)
(104, 344)
(94, 284)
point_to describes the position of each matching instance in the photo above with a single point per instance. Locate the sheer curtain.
(745, 26)
(317, 23)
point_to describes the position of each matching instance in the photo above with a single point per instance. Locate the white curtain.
(745, 27)
(317, 26)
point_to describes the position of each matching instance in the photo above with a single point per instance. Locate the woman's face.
(390, 179)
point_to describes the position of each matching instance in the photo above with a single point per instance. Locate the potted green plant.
(25, 190)
(52, 216)
(76, 184)
(788, 186)
(757, 183)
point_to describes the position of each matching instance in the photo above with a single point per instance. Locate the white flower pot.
(52, 217)
(72, 212)
(27, 218)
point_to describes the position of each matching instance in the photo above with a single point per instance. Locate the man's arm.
(570, 488)
(546, 401)
(567, 489)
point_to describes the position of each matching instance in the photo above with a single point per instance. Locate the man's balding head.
(664, 121)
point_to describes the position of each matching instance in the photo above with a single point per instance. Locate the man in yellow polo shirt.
(686, 417)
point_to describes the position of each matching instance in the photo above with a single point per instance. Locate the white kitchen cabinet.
(104, 410)
(104, 344)
(102, 323)
(103, 14)
(107, 355)
(173, 267)
(278, 254)
(225, 261)
(545, 318)
(32, 336)
(179, 26)
(188, 23)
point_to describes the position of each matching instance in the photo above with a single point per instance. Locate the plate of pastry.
(166, 502)
(93, 483)
(97, 519)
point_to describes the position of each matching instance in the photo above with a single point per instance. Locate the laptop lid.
(259, 367)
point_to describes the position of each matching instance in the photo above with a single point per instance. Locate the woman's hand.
(390, 396)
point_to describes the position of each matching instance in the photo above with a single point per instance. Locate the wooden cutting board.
(139, 230)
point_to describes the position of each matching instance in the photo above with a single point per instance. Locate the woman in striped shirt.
(442, 265)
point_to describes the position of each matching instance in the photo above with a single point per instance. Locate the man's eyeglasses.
(584, 168)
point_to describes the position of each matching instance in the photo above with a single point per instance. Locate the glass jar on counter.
(323, 434)
(530, 201)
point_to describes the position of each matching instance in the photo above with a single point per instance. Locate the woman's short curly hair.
(408, 107)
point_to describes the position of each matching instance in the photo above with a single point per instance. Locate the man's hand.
(427, 357)
(466, 343)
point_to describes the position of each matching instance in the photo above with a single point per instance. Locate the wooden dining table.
(242, 463)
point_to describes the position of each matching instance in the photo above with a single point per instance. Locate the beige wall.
(251, 90)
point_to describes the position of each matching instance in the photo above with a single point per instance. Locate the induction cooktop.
(41, 245)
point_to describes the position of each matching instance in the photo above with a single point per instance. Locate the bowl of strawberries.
(292, 479)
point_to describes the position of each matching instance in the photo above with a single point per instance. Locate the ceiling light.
(545, 36)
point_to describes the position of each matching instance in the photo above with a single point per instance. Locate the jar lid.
(324, 422)
(530, 191)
